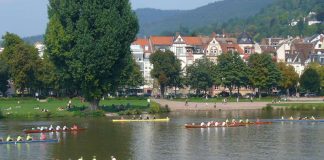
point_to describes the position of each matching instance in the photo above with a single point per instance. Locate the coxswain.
(43, 136)
(9, 139)
(29, 138)
(291, 118)
(58, 128)
(19, 138)
(312, 118)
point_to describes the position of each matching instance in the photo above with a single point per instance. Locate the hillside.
(34, 39)
(153, 21)
(276, 19)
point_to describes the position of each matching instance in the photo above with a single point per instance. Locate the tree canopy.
(263, 74)
(89, 43)
(310, 80)
(166, 69)
(289, 78)
(200, 75)
(232, 71)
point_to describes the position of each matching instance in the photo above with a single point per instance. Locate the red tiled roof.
(235, 46)
(161, 40)
(196, 41)
(141, 41)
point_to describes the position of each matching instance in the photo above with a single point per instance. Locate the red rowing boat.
(48, 131)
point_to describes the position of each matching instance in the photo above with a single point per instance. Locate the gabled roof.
(195, 41)
(141, 41)
(161, 40)
(244, 38)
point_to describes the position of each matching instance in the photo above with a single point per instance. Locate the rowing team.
(300, 118)
(58, 128)
(19, 138)
(225, 123)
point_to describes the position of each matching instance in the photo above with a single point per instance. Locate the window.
(162, 49)
(322, 60)
(179, 51)
(319, 45)
(146, 48)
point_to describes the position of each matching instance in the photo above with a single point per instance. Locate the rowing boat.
(32, 141)
(256, 123)
(303, 120)
(142, 120)
(212, 126)
(47, 131)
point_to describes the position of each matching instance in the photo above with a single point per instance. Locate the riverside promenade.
(202, 106)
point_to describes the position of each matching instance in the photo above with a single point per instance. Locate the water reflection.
(283, 140)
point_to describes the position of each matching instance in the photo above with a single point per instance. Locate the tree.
(4, 77)
(166, 69)
(310, 80)
(89, 43)
(131, 76)
(320, 70)
(232, 71)
(264, 74)
(22, 61)
(201, 75)
(289, 76)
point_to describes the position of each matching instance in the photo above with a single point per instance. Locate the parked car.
(310, 95)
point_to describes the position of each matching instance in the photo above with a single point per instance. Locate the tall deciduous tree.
(22, 60)
(232, 71)
(310, 80)
(166, 69)
(264, 74)
(289, 76)
(201, 75)
(89, 43)
(4, 77)
(132, 76)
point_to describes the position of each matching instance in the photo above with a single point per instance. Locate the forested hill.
(34, 39)
(276, 19)
(153, 21)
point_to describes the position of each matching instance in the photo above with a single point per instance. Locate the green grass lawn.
(211, 100)
(30, 107)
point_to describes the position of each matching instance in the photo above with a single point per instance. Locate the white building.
(41, 48)
(1, 50)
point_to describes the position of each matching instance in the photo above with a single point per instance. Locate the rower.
(1, 139)
(202, 124)
(43, 136)
(258, 120)
(240, 121)
(58, 128)
(65, 128)
(247, 121)
(75, 127)
(147, 117)
(291, 118)
(42, 128)
(113, 158)
(282, 117)
(312, 118)
(51, 128)
(140, 117)
(19, 138)
(29, 138)
(227, 121)
(208, 124)
(223, 124)
(233, 121)
(9, 139)
(133, 117)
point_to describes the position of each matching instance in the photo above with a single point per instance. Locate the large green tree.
(89, 43)
(233, 71)
(200, 75)
(4, 77)
(289, 76)
(310, 80)
(166, 69)
(131, 76)
(263, 72)
(22, 60)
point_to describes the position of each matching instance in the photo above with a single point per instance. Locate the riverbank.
(52, 107)
(210, 106)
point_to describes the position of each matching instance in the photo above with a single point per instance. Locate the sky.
(29, 17)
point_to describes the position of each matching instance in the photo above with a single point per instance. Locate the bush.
(156, 108)
(268, 108)
(130, 112)
(98, 113)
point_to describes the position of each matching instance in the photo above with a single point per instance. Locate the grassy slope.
(26, 107)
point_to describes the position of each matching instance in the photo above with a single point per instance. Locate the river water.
(170, 140)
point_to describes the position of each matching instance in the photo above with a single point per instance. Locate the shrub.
(156, 108)
(268, 108)
(130, 112)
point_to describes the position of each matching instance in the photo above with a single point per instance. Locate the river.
(170, 140)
